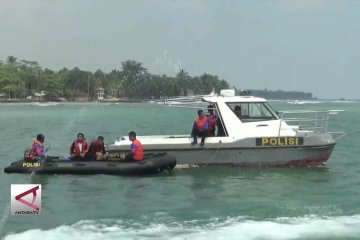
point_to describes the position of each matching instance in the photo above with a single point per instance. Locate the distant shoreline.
(74, 101)
(149, 100)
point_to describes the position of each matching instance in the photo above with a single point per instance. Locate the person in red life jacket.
(136, 150)
(212, 121)
(37, 150)
(200, 128)
(79, 148)
(97, 150)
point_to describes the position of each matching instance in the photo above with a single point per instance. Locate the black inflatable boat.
(152, 163)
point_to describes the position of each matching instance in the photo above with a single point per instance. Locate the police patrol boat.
(258, 136)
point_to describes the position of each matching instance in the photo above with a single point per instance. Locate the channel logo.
(25, 199)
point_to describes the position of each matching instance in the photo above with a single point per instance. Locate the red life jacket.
(200, 122)
(98, 147)
(76, 149)
(31, 153)
(139, 151)
(212, 122)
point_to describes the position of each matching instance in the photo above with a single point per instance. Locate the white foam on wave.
(322, 101)
(44, 104)
(344, 227)
(304, 102)
(4, 217)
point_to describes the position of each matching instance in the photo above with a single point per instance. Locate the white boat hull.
(314, 150)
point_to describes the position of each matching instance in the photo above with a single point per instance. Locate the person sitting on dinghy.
(79, 148)
(212, 121)
(136, 150)
(37, 150)
(97, 150)
(200, 128)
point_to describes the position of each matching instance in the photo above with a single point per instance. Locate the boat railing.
(306, 120)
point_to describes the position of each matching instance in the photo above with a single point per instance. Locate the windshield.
(253, 112)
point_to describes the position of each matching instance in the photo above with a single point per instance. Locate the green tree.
(133, 76)
(183, 81)
(14, 91)
(112, 83)
(29, 73)
(24, 78)
(11, 61)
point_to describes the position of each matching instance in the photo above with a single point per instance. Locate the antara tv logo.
(25, 199)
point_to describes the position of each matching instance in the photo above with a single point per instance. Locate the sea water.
(197, 203)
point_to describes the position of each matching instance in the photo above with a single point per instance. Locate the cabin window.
(252, 112)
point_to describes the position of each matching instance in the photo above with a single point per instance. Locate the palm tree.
(183, 80)
(134, 75)
(11, 61)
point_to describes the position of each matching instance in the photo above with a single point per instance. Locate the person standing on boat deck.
(97, 150)
(212, 121)
(79, 148)
(136, 150)
(37, 150)
(200, 128)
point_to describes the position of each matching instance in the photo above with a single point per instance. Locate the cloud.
(16, 9)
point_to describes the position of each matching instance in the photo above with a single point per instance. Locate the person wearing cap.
(37, 150)
(136, 150)
(97, 150)
(212, 121)
(79, 148)
(200, 128)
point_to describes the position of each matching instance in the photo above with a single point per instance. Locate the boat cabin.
(245, 116)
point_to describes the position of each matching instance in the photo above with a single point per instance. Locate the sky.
(311, 46)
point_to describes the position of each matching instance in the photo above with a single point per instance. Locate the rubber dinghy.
(152, 164)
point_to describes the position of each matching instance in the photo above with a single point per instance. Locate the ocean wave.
(311, 227)
(321, 101)
(304, 102)
(45, 104)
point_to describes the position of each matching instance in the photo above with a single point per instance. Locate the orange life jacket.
(200, 122)
(139, 151)
(31, 153)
